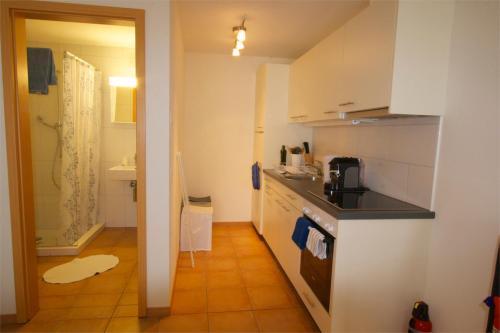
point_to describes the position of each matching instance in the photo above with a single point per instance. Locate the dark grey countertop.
(392, 208)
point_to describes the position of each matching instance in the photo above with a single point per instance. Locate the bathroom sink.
(123, 172)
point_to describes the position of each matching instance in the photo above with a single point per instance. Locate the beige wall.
(176, 107)
(217, 135)
(398, 156)
(466, 230)
(158, 153)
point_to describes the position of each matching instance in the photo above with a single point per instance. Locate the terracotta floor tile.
(221, 250)
(123, 268)
(92, 251)
(256, 263)
(47, 315)
(246, 240)
(11, 328)
(263, 277)
(98, 312)
(189, 280)
(284, 320)
(251, 250)
(126, 311)
(184, 265)
(96, 300)
(105, 284)
(130, 324)
(189, 301)
(132, 285)
(56, 289)
(240, 321)
(58, 259)
(125, 253)
(228, 299)
(129, 299)
(81, 325)
(184, 323)
(45, 266)
(224, 279)
(54, 302)
(270, 298)
(42, 327)
(222, 264)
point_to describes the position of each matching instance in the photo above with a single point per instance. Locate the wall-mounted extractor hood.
(382, 113)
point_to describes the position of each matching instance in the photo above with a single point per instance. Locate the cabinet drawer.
(290, 196)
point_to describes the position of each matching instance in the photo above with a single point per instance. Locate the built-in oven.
(318, 272)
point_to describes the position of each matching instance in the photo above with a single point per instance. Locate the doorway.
(20, 121)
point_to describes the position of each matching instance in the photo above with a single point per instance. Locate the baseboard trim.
(8, 319)
(231, 222)
(158, 312)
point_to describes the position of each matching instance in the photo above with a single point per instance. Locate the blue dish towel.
(256, 176)
(301, 232)
(41, 70)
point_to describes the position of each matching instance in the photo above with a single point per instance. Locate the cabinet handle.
(299, 116)
(259, 131)
(346, 103)
(327, 112)
(291, 197)
(306, 296)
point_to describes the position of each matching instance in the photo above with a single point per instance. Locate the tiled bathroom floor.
(236, 287)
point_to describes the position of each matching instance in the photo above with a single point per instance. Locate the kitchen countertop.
(309, 190)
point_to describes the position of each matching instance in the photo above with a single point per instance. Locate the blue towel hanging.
(41, 70)
(301, 232)
(256, 176)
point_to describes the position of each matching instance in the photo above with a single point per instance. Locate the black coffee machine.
(344, 176)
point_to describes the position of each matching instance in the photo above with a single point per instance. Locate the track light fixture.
(240, 36)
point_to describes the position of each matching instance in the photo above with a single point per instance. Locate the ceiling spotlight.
(239, 45)
(241, 34)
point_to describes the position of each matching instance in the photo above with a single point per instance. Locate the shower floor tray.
(70, 250)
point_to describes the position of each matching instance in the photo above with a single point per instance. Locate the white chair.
(196, 219)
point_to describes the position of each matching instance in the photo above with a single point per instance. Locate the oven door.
(318, 272)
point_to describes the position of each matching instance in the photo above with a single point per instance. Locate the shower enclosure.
(66, 125)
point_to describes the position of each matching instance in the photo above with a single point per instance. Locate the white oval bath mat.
(80, 268)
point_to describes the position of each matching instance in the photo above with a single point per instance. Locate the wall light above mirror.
(123, 99)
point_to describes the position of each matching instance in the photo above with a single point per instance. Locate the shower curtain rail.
(67, 53)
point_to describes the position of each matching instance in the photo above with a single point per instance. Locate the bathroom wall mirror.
(123, 99)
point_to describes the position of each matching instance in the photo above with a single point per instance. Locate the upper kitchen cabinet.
(367, 62)
(391, 57)
(315, 83)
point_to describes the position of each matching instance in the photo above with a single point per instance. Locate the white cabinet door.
(327, 70)
(368, 58)
(270, 229)
(301, 96)
(315, 81)
(290, 253)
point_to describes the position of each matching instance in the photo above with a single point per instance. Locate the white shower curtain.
(80, 147)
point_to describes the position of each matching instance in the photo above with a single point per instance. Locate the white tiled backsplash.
(398, 159)
(116, 207)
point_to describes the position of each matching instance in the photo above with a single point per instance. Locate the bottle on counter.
(283, 155)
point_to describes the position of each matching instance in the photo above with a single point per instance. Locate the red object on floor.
(420, 321)
(496, 317)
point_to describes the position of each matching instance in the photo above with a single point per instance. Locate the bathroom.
(111, 130)
(83, 151)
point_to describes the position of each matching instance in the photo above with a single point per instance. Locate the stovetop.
(364, 200)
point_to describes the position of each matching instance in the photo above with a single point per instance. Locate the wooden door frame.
(17, 128)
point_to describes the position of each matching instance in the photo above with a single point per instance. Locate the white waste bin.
(200, 218)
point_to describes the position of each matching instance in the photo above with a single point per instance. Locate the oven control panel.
(326, 221)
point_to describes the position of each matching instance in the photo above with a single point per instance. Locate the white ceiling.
(80, 33)
(275, 28)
